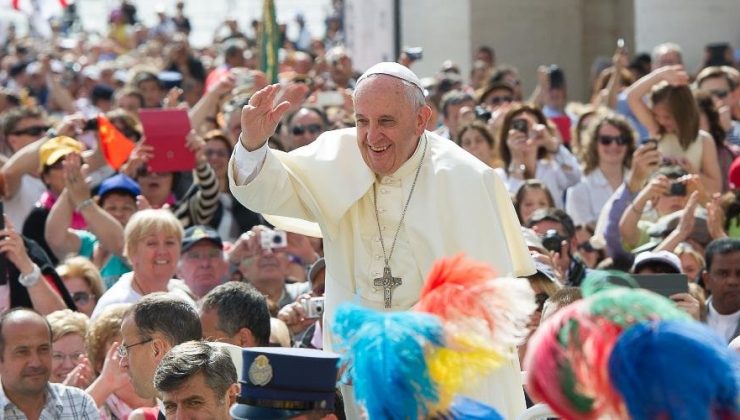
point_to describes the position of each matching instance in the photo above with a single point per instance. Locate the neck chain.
(136, 283)
(388, 256)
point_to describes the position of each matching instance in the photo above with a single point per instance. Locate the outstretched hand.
(265, 110)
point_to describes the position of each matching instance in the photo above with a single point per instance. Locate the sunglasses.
(605, 140)
(36, 130)
(82, 298)
(498, 100)
(719, 93)
(299, 130)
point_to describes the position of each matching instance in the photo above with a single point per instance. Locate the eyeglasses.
(498, 100)
(82, 298)
(123, 350)
(299, 130)
(206, 255)
(217, 153)
(36, 130)
(605, 140)
(59, 357)
(719, 93)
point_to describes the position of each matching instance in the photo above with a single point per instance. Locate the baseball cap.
(665, 257)
(55, 149)
(196, 233)
(119, 183)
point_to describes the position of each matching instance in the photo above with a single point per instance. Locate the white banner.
(370, 32)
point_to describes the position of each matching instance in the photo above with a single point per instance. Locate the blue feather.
(385, 356)
(675, 369)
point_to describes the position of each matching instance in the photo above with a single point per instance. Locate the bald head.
(28, 318)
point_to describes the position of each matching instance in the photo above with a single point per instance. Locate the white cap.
(395, 70)
(658, 256)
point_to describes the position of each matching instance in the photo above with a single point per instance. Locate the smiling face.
(532, 200)
(613, 153)
(25, 365)
(66, 352)
(155, 256)
(388, 124)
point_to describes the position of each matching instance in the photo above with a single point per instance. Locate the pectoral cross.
(388, 283)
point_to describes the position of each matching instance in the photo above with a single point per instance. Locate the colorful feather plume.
(675, 370)
(471, 301)
(386, 359)
(568, 356)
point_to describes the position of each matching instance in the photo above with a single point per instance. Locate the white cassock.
(459, 205)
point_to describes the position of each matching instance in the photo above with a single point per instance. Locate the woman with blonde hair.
(83, 281)
(692, 262)
(152, 240)
(69, 364)
(112, 390)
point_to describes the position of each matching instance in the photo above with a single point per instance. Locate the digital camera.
(313, 307)
(271, 239)
(552, 240)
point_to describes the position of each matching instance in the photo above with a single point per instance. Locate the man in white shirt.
(359, 184)
(722, 279)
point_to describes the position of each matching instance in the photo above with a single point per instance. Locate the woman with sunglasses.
(607, 155)
(83, 281)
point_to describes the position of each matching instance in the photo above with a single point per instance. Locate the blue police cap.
(285, 382)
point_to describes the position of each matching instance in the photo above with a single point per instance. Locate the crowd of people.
(146, 286)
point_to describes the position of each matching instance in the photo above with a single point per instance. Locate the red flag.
(116, 147)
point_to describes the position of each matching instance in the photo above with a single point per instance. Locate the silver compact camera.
(313, 307)
(271, 239)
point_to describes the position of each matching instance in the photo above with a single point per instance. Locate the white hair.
(413, 94)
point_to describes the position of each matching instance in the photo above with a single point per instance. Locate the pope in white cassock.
(389, 197)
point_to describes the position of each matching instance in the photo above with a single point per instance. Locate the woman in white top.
(152, 246)
(607, 153)
(673, 119)
(530, 148)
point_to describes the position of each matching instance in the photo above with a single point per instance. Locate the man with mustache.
(25, 366)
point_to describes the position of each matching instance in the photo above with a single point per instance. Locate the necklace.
(136, 283)
(387, 281)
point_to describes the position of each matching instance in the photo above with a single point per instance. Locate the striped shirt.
(62, 403)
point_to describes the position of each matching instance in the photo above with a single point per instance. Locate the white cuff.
(247, 164)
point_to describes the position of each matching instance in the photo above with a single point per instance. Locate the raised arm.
(57, 232)
(207, 104)
(636, 94)
(26, 160)
(260, 117)
(99, 222)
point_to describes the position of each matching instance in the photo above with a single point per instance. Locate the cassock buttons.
(384, 191)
